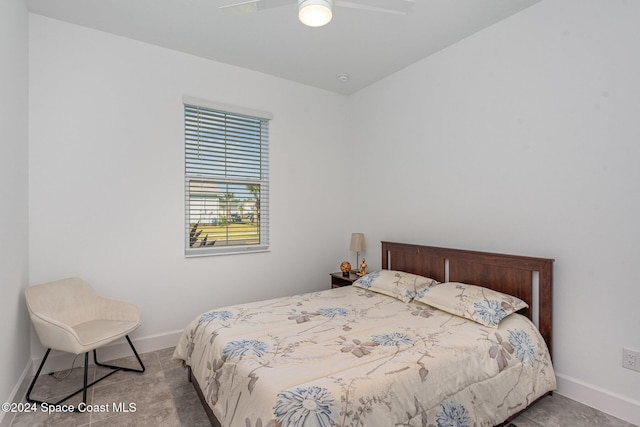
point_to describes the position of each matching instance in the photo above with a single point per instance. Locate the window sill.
(195, 253)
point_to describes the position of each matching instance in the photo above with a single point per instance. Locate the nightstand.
(337, 280)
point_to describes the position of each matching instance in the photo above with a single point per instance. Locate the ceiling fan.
(316, 13)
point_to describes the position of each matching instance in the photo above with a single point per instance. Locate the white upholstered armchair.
(69, 316)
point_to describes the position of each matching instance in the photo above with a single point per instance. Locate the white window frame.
(207, 178)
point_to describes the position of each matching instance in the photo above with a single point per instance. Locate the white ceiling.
(365, 45)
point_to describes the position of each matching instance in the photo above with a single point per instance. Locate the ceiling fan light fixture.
(315, 13)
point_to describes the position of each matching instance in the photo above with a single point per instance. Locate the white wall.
(107, 176)
(525, 138)
(522, 138)
(14, 321)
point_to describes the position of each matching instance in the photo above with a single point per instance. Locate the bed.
(438, 337)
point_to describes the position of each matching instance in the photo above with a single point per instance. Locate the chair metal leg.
(83, 389)
(121, 368)
(35, 378)
(113, 368)
(86, 376)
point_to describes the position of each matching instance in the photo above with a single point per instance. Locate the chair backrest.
(67, 301)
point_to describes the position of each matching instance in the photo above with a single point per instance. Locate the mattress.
(353, 357)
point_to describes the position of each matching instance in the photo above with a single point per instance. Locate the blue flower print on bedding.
(421, 292)
(245, 348)
(453, 414)
(523, 345)
(490, 312)
(410, 294)
(333, 312)
(306, 406)
(366, 281)
(215, 315)
(413, 294)
(393, 339)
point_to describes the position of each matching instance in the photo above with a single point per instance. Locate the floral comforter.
(351, 357)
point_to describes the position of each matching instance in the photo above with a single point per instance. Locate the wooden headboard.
(515, 275)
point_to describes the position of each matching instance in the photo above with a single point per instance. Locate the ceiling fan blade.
(238, 7)
(398, 7)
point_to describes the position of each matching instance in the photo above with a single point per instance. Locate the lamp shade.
(357, 242)
(315, 13)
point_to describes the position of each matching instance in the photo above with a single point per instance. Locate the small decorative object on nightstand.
(338, 280)
(363, 269)
(345, 267)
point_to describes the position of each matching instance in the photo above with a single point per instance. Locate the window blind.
(226, 181)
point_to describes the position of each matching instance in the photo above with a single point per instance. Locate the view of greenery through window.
(223, 214)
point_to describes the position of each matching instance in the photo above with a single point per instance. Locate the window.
(226, 179)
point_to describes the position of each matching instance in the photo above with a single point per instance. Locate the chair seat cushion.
(96, 333)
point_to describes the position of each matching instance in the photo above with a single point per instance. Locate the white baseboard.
(7, 417)
(58, 361)
(603, 400)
